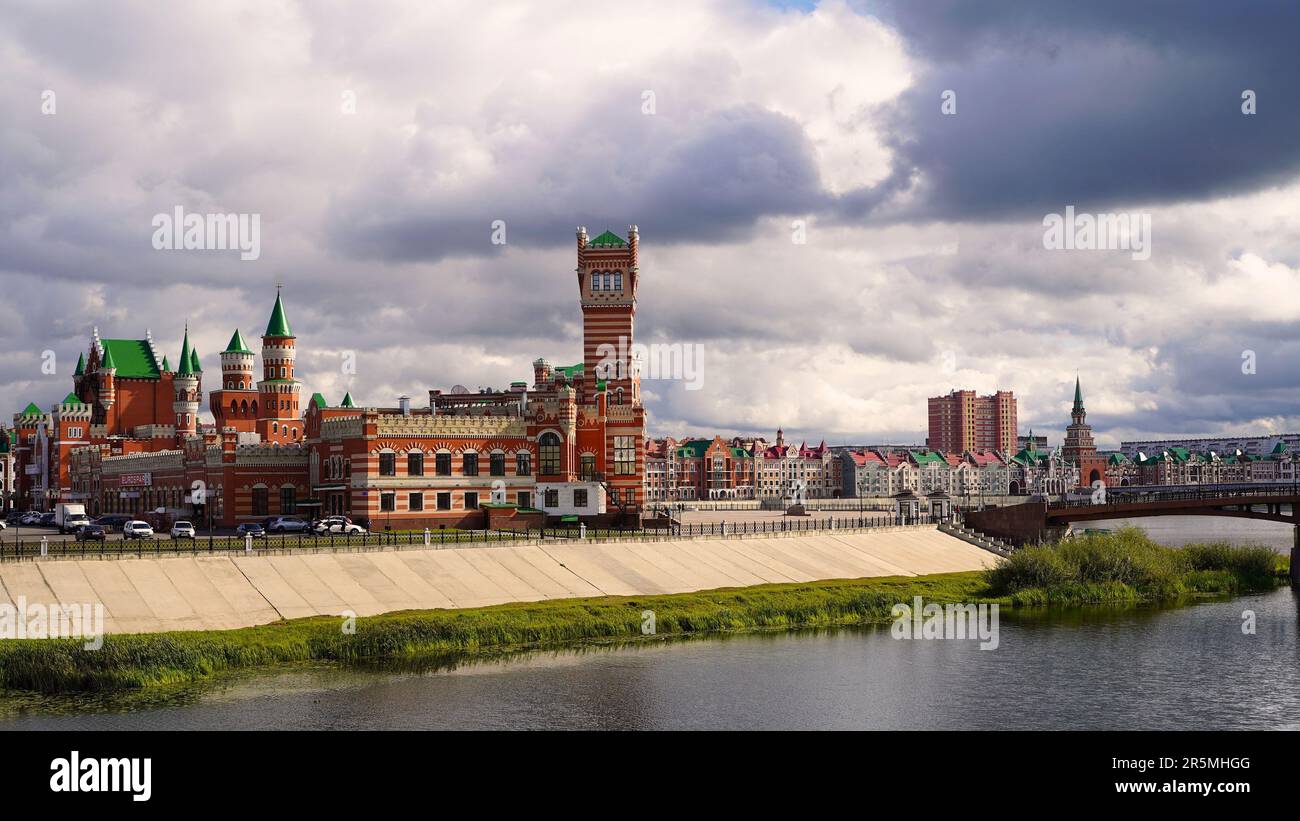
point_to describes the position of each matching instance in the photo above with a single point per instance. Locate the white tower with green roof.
(279, 392)
(186, 390)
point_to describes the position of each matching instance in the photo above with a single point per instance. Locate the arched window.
(618, 281)
(469, 464)
(548, 448)
(415, 463)
(234, 408)
(597, 281)
(618, 396)
(587, 467)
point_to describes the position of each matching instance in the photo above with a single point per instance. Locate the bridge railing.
(1127, 496)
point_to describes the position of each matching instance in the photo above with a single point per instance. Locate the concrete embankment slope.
(221, 592)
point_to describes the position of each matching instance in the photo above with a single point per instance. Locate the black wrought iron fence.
(29, 548)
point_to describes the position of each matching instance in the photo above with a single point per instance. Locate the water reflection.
(1114, 668)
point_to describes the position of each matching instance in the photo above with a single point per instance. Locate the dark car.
(91, 533)
(251, 529)
(112, 521)
(47, 520)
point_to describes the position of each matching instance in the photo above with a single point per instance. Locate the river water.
(1188, 667)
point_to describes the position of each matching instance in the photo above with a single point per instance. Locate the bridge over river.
(1044, 520)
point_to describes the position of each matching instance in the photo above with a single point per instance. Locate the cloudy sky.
(379, 142)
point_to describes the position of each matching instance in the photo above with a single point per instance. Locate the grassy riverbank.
(1114, 567)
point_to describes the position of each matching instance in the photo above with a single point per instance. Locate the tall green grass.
(1128, 565)
(149, 660)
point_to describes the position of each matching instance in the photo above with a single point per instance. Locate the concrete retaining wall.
(221, 592)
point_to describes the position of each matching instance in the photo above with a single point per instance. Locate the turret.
(185, 386)
(237, 363)
(278, 391)
(107, 374)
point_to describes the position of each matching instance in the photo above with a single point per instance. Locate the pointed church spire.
(166, 366)
(81, 365)
(194, 361)
(1078, 395)
(279, 324)
(187, 355)
(347, 400)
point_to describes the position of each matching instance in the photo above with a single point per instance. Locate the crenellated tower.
(279, 418)
(186, 388)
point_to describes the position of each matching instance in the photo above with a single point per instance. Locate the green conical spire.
(279, 324)
(72, 399)
(194, 361)
(108, 362)
(187, 356)
(347, 400)
(31, 410)
(1078, 395)
(166, 366)
(237, 344)
(81, 365)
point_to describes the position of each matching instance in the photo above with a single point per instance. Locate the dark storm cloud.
(1094, 104)
(689, 179)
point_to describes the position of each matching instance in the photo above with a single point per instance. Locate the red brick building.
(128, 439)
(1079, 447)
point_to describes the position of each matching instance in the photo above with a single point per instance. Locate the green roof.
(133, 358)
(81, 365)
(194, 361)
(237, 344)
(187, 356)
(316, 399)
(347, 401)
(608, 240)
(279, 324)
(72, 399)
(570, 371)
(927, 457)
(694, 448)
(31, 410)
(166, 366)
(1078, 395)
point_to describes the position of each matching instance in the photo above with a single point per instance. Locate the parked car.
(251, 529)
(286, 524)
(30, 518)
(182, 530)
(46, 520)
(136, 529)
(338, 525)
(91, 533)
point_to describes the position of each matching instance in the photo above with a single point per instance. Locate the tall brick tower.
(279, 417)
(611, 383)
(1079, 446)
(234, 405)
(185, 387)
(607, 283)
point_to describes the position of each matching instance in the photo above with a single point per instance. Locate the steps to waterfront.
(146, 595)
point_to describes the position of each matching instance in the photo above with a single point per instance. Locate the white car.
(182, 530)
(339, 525)
(30, 518)
(137, 530)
